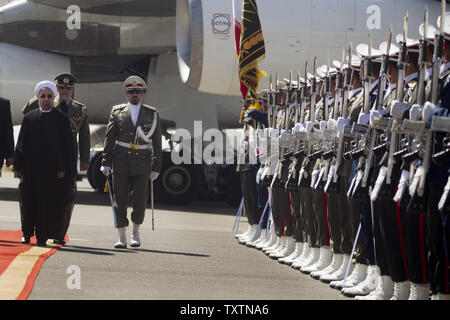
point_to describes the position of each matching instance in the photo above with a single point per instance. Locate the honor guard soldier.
(133, 154)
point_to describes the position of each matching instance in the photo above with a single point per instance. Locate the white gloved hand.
(342, 122)
(398, 109)
(259, 174)
(414, 112)
(297, 127)
(154, 175)
(323, 125)
(309, 125)
(332, 124)
(274, 132)
(105, 170)
(402, 186)
(376, 114)
(429, 110)
(364, 118)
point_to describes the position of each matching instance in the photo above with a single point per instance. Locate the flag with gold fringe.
(251, 51)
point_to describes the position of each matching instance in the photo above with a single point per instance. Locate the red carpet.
(20, 264)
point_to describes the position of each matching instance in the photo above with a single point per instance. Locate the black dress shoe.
(25, 239)
(42, 243)
(59, 241)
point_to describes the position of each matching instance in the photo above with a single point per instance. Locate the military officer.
(133, 154)
(78, 117)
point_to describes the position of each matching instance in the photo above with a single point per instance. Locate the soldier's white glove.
(414, 112)
(342, 122)
(332, 124)
(274, 132)
(379, 183)
(376, 114)
(364, 118)
(154, 175)
(105, 170)
(429, 110)
(398, 109)
(323, 125)
(309, 125)
(402, 186)
(259, 175)
(297, 127)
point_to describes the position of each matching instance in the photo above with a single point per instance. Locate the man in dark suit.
(6, 134)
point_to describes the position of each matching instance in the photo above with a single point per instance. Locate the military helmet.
(134, 83)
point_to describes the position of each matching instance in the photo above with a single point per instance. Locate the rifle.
(379, 105)
(435, 88)
(346, 87)
(393, 143)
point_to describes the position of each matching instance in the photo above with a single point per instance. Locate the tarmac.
(191, 254)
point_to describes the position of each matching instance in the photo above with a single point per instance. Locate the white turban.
(45, 84)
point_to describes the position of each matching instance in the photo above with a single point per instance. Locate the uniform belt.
(131, 145)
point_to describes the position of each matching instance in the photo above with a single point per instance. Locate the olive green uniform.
(132, 164)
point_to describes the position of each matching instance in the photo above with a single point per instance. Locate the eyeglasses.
(134, 91)
(49, 96)
(67, 88)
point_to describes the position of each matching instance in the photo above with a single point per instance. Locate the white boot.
(279, 247)
(384, 290)
(312, 258)
(296, 264)
(419, 291)
(248, 237)
(443, 296)
(244, 234)
(366, 286)
(256, 232)
(338, 274)
(262, 237)
(357, 276)
(294, 255)
(401, 291)
(336, 262)
(122, 243)
(323, 261)
(272, 247)
(135, 240)
(287, 250)
(272, 240)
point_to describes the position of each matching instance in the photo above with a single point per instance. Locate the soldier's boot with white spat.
(419, 291)
(122, 243)
(401, 291)
(135, 240)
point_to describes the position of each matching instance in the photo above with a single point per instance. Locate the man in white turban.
(43, 155)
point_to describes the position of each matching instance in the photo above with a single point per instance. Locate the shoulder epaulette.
(150, 107)
(119, 107)
(75, 102)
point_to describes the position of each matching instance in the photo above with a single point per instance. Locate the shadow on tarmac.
(92, 198)
(110, 252)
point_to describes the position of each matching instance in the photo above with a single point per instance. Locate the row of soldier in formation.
(54, 130)
(355, 160)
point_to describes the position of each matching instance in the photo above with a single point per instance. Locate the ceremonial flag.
(251, 51)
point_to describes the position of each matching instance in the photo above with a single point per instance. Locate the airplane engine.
(294, 31)
(21, 69)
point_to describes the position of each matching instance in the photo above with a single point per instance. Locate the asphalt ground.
(191, 255)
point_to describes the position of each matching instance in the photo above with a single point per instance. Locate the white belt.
(132, 145)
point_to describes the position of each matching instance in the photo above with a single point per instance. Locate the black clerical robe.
(44, 147)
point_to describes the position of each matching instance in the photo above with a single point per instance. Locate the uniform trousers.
(307, 216)
(250, 194)
(320, 217)
(296, 213)
(122, 183)
(281, 212)
(262, 199)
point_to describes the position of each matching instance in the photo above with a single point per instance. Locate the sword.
(152, 204)
(112, 202)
